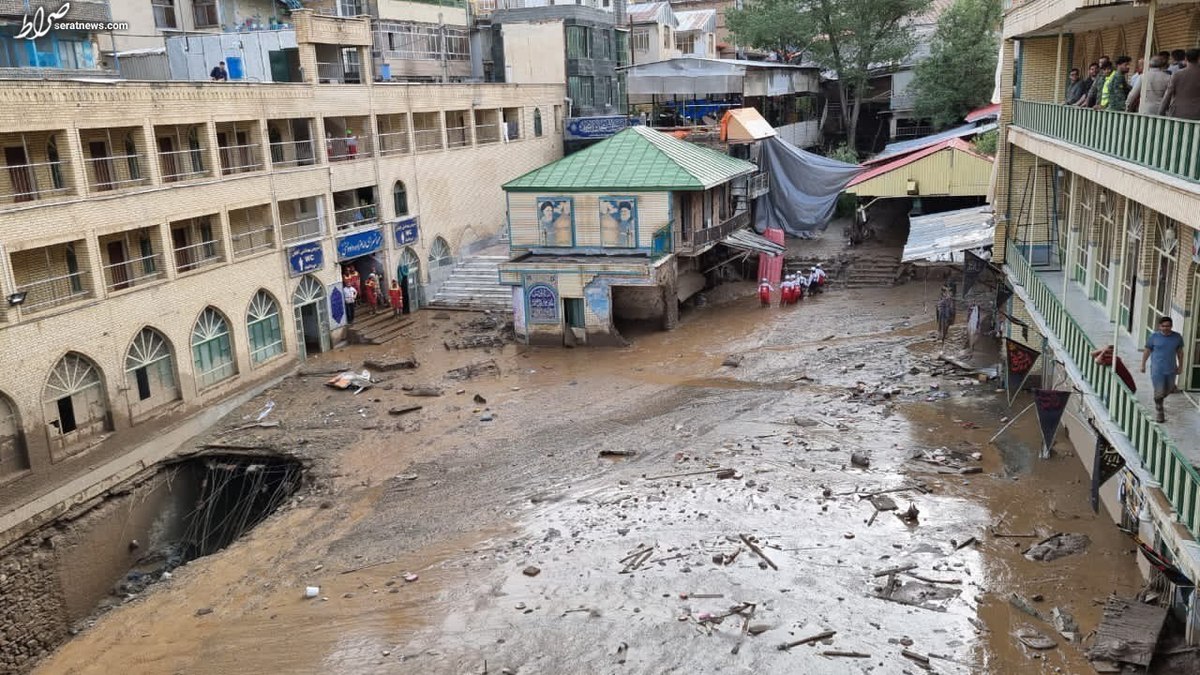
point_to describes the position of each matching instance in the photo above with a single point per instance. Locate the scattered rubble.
(1058, 546)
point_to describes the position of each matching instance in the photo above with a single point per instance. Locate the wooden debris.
(758, 551)
(919, 658)
(895, 570)
(688, 473)
(1128, 632)
(636, 563)
(934, 581)
(612, 452)
(823, 635)
(745, 628)
(848, 655)
(404, 410)
(968, 542)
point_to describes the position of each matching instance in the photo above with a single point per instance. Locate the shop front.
(406, 233)
(360, 254)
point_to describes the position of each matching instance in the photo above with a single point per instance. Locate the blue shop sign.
(543, 304)
(306, 258)
(597, 127)
(359, 244)
(406, 231)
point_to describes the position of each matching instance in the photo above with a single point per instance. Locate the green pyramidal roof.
(636, 159)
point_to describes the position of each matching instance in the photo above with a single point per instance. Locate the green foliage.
(844, 153)
(846, 205)
(848, 37)
(960, 72)
(985, 143)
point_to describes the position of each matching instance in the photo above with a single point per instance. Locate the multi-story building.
(1098, 214)
(167, 245)
(57, 53)
(652, 32)
(723, 41)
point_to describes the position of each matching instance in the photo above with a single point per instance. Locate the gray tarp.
(804, 188)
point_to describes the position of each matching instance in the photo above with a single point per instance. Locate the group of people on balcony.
(1169, 87)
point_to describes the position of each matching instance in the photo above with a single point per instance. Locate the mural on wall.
(556, 221)
(337, 305)
(541, 299)
(618, 221)
(596, 295)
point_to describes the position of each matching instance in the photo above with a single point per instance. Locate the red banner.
(1019, 360)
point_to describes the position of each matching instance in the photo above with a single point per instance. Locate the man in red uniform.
(764, 293)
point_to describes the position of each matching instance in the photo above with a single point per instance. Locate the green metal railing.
(1164, 144)
(1179, 479)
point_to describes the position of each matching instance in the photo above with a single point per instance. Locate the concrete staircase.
(377, 329)
(475, 284)
(868, 270)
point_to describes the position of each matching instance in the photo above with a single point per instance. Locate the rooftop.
(878, 169)
(652, 12)
(636, 159)
(697, 20)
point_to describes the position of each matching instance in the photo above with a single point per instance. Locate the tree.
(959, 74)
(985, 143)
(848, 37)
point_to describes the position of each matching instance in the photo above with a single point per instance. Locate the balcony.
(487, 126)
(347, 138)
(52, 276)
(752, 187)
(1082, 330)
(182, 152)
(33, 168)
(427, 131)
(251, 230)
(393, 135)
(355, 208)
(290, 143)
(238, 143)
(196, 243)
(114, 159)
(301, 220)
(1168, 145)
(458, 128)
(711, 235)
(131, 259)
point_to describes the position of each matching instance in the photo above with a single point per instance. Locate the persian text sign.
(578, 128)
(359, 244)
(541, 299)
(306, 258)
(405, 231)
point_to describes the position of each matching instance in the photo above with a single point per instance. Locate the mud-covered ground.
(536, 554)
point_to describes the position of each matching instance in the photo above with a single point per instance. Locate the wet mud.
(533, 552)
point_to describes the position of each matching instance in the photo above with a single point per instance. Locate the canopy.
(695, 76)
(745, 240)
(746, 125)
(938, 237)
(804, 188)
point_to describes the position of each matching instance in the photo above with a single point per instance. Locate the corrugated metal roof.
(636, 159)
(652, 12)
(990, 111)
(743, 64)
(745, 240)
(893, 150)
(938, 236)
(880, 169)
(701, 20)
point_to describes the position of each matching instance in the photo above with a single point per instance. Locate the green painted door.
(574, 311)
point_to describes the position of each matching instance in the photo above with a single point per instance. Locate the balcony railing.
(427, 139)
(1165, 144)
(709, 235)
(1179, 479)
(292, 153)
(753, 186)
(457, 137)
(53, 291)
(393, 143)
(240, 159)
(103, 172)
(196, 256)
(24, 183)
(133, 272)
(336, 73)
(179, 165)
(249, 242)
(487, 133)
(355, 216)
(348, 148)
(301, 230)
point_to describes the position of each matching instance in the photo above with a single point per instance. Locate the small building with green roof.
(614, 232)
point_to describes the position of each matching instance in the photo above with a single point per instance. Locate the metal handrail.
(50, 292)
(457, 137)
(1179, 479)
(280, 149)
(356, 216)
(267, 242)
(155, 271)
(30, 172)
(231, 158)
(487, 133)
(427, 139)
(299, 230)
(114, 183)
(182, 158)
(209, 254)
(338, 148)
(399, 147)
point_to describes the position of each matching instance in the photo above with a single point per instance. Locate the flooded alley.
(797, 490)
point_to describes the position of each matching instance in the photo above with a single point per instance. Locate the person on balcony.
(1182, 99)
(1092, 98)
(1104, 357)
(1076, 87)
(1147, 95)
(1116, 85)
(1178, 61)
(1164, 351)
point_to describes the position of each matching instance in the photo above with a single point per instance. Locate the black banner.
(1051, 404)
(1160, 563)
(1019, 361)
(973, 266)
(1105, 465)
(1003, 294)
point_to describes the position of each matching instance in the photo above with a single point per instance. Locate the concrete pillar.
(153, 167)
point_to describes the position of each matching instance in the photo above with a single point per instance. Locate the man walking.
(1147, 95)
(1183, 93)
(1164, 351)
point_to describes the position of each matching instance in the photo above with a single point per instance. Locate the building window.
(1162, 272)
(400, 199)
(537, 122)
(205, 14)
(212, 349)
(131, 158)
(685, 42)
(581, 92)
(439, 254)
(56, 176)
(262, 323)
(578, 46)
(666, 37)
(164, 14)
(641, 40)
(148, 371)
(73, 398)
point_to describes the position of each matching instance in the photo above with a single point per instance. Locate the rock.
(389, 362)
(486, 417)
(1064, 623)
(531, 571)
(424, 391)
(410, 577)
(726, 473)
(804, 422)
(1058, 546)
(204, 610)
(758, 628)
(860, 459)
(733, 360)
(1035, 639)
(479, 399)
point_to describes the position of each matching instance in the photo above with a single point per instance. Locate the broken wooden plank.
(968, 542)
(404, 410)
(612, 452)
(681, 475)
(745, 628)
(919, 658)
(929, 580)
(1128, 632)
(758, 551)
(848, 655)
(895, 570)
(823, 635)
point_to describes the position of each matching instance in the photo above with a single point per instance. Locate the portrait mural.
(556, 221)
(618, 221)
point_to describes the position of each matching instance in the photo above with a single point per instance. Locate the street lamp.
(16, 299)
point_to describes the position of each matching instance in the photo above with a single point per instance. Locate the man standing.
(219, 74)
(350, 295)
(1076, 87)
(1116, 86)
(1178, 61)
(1147, 95)
(1164, 351)
(1183, 93)
(1137, 73)
(1103, 68)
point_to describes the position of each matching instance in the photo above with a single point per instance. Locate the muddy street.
(710, 499)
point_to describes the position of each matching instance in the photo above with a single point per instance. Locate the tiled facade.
(177, 208)
(1099, 232)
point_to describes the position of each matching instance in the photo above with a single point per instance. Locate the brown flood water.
(491, 498)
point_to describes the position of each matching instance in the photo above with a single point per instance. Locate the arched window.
(439, 253)
(309, 291)
(262, 323)
(55, 162)
(537, 122)
(73, 399)
(400, 198)
(212, 349)
(13, 457)
(149, 370)
(275, 140)
(131, 158)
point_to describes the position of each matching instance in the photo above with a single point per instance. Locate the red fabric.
(372, 296)
(397, 298)
(1105, 359)
(771, 268)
